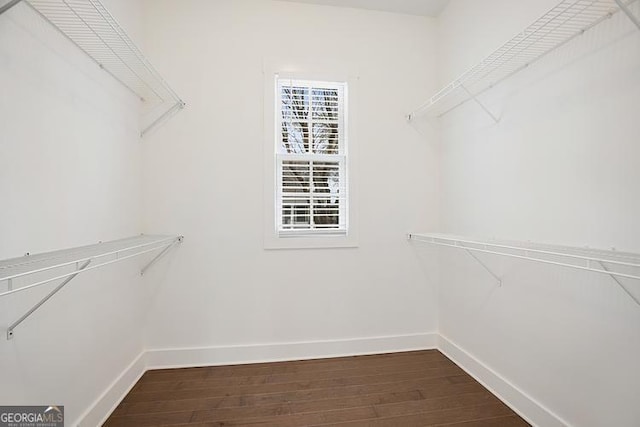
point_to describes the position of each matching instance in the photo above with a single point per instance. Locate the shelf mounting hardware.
(45, 299)
(160, 255)
(619, 282)
(625, 8)
(8, 5)
(173, 110)
(566, 21)
(67, 264)
(90, 26)
(583, 259)
(488, 270)
(433, 240)
(477, 101)
(99, 254)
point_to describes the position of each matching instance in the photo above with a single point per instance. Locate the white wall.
(560, 167)
(203, 177)
(556, 169)
(69, 176)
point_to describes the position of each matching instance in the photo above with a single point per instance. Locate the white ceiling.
(414, 7)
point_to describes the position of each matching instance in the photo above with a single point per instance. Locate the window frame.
(340, 158)
(272, 238)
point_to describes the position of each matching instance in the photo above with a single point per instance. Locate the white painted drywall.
(430, 8)
(203, 177)
(69, 176)
(557, 169)
(561, 167)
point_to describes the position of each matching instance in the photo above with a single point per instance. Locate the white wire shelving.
(90, 26)
(32, 271)
(563, 23)
(617, 265)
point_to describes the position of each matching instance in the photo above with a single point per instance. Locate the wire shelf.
(617, 265)
(90, 26)
(566, 21)
(31, 271)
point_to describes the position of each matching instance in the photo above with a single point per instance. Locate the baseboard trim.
(104, 405)
(524, 405)
(280, 352)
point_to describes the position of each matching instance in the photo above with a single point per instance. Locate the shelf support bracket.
(171, 111)
(8, 5)
(479, 261)
(623, 6)
(622, 286)
(45, 299)
(160, 255)
(477, 101)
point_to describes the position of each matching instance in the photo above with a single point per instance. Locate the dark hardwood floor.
(403, 389)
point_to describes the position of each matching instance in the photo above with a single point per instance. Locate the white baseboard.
(279, 352)
(97, 414)
(523, 404)
(527, 407)
(226, 355)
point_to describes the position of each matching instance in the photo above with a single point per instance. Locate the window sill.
(275, 242)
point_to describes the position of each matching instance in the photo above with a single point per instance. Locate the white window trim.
(340, 158)
(272, 239)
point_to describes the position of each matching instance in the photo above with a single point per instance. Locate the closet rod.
(147, 247)
(566, 21)
(90, 26)
(77, 260)
(489, 247)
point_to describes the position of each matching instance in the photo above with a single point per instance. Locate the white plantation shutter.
(311, 158)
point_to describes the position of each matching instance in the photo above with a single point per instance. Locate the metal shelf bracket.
(468, 250)
(487, 269)
(160, 255)
(90, 26)
(67, 264)
(566, 21)
(45, 299)
(583, 259)
(168, 114)
(8, 5)
(477, 101)
(625, 8)
(619, 282)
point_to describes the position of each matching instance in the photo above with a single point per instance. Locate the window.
(311, 158)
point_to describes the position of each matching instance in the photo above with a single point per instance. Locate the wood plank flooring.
(421, 388)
